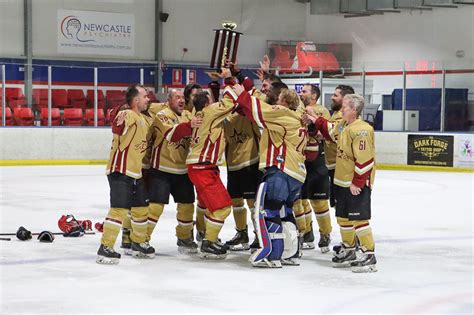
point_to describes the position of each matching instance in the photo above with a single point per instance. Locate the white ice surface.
(422, 223)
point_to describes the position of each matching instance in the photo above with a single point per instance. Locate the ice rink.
(422, 223)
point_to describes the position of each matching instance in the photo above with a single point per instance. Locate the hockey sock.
(139, 224)
(155, 210)
(300, 216)
(364, 234)
(126, 228)
(321, 209)
(112, 226)
(240, 213)
(214, 223)
(184, 215)
(348, 233)
(200, 223)
(308, 214)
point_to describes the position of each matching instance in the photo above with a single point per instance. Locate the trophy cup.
(227, 40)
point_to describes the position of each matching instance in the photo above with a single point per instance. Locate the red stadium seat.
(115, 98)
(100, 99)
(72, 117)
(24, 116)
(90, 117)
(60, 98)
(15, 97)
(76, 98)
(8, 116)
(40, 98)
(55, 117)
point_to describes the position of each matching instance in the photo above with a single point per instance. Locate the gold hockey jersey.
(242, 137)
(208, 141)
(330, 147)
(284, 137)
(149, 116)
(129, 145)
(172, 137)
(313, 145)
(355, 160)
(149, 140)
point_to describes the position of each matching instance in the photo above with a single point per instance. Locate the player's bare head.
(137, 97)
(176, 101)
(274, 92)
(190, 91)
(339, 92)
(268, 79)
(201, 100)
(310, 94)
(352, 106)
(288, 98)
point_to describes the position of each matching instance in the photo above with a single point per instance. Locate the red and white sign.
(190, 76)
(177, 77)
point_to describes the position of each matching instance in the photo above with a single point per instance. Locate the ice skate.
(127, 248)
(344, 257)
(187, 246)
(239, 242)
(126, 242)
(213, 250)
(142, 250)
(255, 245)
(308, 240)
(107, 256)
(324, 241)
(366, 263)
(292, 261)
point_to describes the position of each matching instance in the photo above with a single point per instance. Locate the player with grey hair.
(354, 179)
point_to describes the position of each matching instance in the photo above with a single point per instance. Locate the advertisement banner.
(430, 150)
(466, 154)
(95, 33)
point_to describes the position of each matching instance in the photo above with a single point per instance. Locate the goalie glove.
(70, 226)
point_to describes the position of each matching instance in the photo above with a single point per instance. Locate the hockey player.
(315, 191)
(354, 178)
(207, 146)
(124, 173)
(282, 158)
(330, 146)
(189, 92)
(168, 174)
(149, 114)
(243, 176)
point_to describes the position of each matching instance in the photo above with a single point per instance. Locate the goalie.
(282, 158)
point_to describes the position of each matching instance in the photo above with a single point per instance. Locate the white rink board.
(69, 143)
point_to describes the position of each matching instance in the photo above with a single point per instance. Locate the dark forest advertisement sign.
(430, 150)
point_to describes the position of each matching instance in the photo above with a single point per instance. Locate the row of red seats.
(63, 98)
(23, 116)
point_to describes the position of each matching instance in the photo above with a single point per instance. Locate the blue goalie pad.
(269, 233)
(261, 227)
(276, 237)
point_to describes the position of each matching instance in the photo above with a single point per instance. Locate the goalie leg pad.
(269, 231)
(260, 227)
(291, 239)
(275, 230)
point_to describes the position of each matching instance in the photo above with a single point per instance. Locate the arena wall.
(69, 145)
